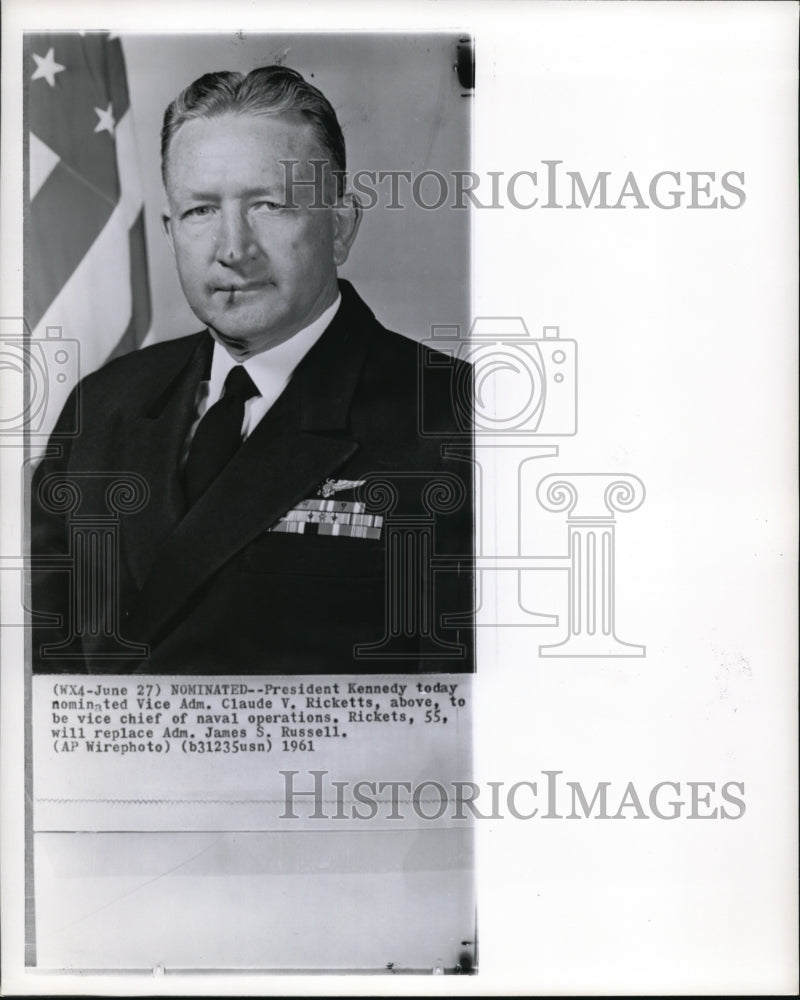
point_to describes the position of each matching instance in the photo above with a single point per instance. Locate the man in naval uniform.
(276, 505)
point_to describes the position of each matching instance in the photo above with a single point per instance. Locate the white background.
(686, 325)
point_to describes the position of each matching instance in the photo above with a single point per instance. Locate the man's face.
(254, 270)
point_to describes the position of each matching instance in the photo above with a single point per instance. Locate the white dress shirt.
(270, 371)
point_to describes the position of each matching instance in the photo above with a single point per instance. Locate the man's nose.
(235, 239)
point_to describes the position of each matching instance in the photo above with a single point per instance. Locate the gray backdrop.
(401, 108)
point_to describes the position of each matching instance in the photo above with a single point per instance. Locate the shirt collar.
(271, 369)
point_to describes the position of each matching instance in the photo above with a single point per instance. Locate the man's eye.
(198, 212)
(268, 205)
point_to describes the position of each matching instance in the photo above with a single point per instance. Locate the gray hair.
(268, 90)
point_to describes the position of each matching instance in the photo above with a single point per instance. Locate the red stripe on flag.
(65, 218)
(140, 292)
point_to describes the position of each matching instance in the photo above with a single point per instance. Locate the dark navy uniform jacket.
(367, 447)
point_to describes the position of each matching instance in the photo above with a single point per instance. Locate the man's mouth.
(230, 291)
(244, 286)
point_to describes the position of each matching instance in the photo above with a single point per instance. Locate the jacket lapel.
(154, 441)
(303, 439)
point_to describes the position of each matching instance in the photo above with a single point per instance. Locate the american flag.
(85, 253)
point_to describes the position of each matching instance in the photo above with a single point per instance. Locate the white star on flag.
(87, 251)
(47, 67)
(106, 121)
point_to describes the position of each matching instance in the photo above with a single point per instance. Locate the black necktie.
(219, 434)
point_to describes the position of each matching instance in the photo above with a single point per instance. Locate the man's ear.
(166, 228)
(346, 220)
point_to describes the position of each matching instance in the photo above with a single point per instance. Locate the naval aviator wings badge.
(331, 486)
